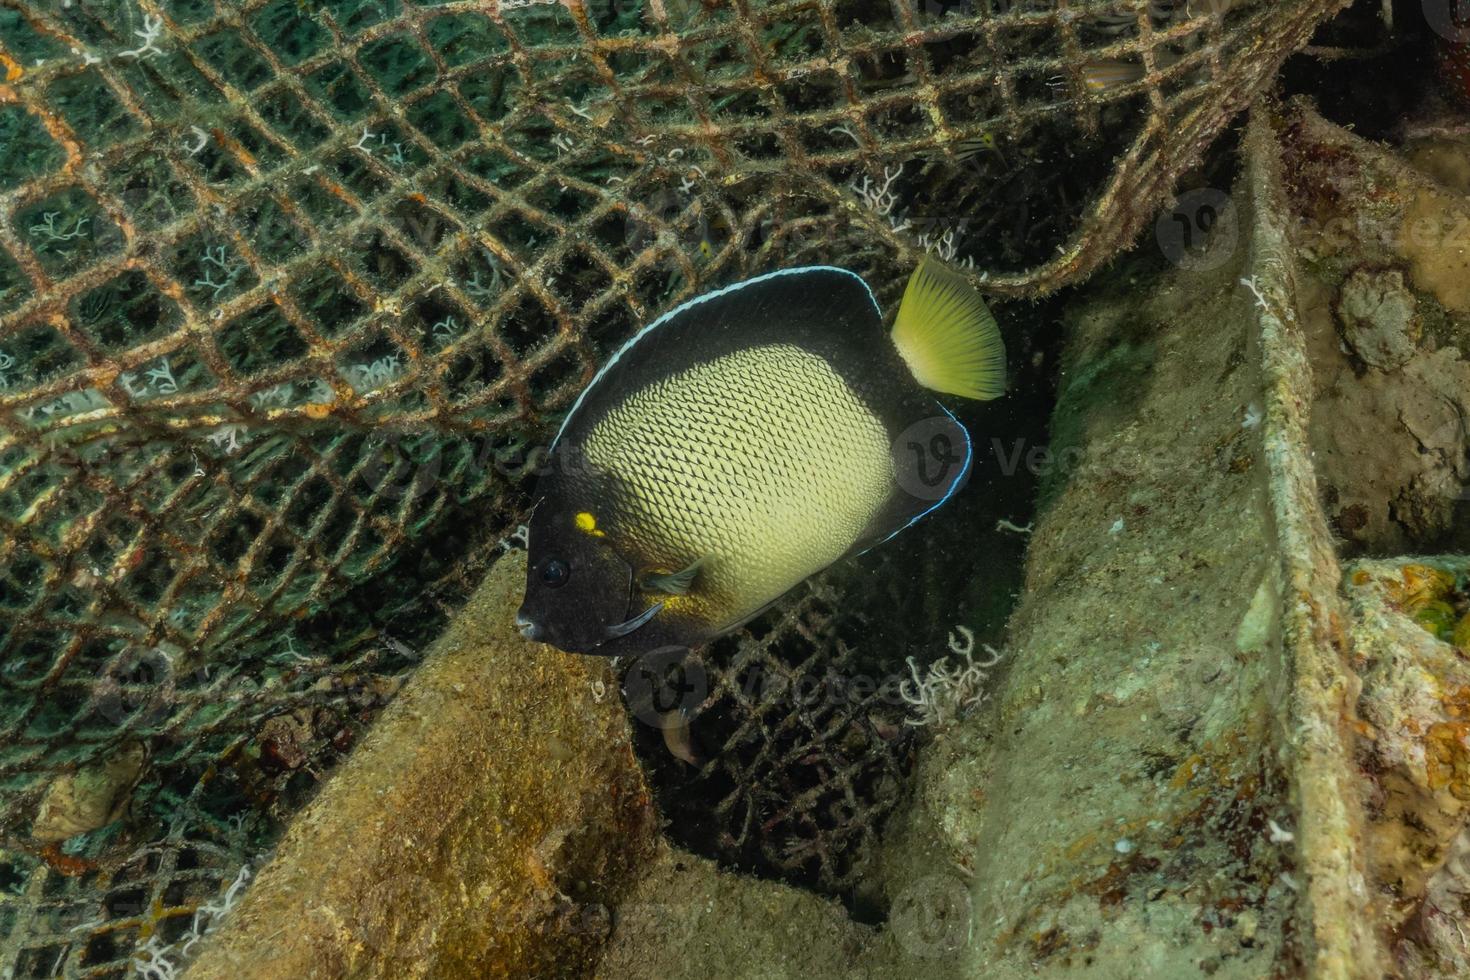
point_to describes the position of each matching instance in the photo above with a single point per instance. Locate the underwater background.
(291, 292)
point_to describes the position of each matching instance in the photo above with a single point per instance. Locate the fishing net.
(290, 288)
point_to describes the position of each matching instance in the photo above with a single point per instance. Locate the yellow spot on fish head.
(588, 523)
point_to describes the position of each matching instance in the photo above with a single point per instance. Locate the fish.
(972, 147)
(745, 441)
(1108, 74)
(986, 142)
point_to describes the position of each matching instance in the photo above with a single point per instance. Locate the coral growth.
(945, 693)
(157, 960)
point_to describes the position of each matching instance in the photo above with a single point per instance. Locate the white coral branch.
(880, 198)
(946, 693)
(156, 960)
(151, 32)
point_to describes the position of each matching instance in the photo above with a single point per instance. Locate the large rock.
(487, 826)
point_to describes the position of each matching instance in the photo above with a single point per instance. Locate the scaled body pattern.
(744, 441)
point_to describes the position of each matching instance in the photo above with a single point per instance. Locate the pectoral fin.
(674, 583)
(623, 629)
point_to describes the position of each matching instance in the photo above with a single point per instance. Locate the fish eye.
(556, 573)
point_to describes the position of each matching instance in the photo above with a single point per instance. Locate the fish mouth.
(527, 628)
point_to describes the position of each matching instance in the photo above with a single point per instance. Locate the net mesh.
(289, 288)
(788, 753)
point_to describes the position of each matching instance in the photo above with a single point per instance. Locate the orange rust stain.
(338, 191)
(172, 290)
(234, 146)
(1112, 887)
(1457, 702)
(1184, 775)
(1048, 943)
(66, 864)
(1418, 586)
(13, 70)
(1447, 747)
(1446, 759)
(58, 131)
(317, 410)
(1080, 846)
(539, 874)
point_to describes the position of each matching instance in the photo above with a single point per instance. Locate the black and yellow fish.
(744, 441)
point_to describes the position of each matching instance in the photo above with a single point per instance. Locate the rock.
(1414, 705)
(1380, 318)
(92, 797)
(483, 827)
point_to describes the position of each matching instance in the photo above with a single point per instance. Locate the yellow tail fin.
(947, 337)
